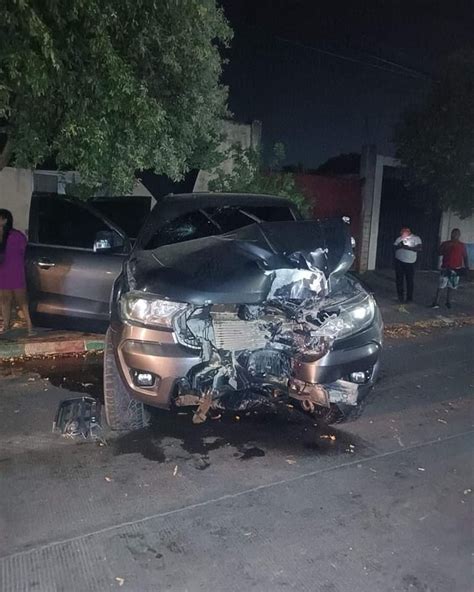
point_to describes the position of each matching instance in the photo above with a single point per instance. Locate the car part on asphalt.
(79, 418)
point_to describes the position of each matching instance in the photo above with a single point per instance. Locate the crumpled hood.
(240, 267)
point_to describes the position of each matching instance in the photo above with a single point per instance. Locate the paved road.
(261, 503)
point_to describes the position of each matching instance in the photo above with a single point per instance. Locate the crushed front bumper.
(158, 352)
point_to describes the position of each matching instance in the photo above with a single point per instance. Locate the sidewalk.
(400, 320)
(17, 344)
(382, 284)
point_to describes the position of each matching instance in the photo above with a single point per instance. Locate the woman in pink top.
(12, 270)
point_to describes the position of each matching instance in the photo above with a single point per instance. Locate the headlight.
(356, 314)
(148, 310)
(353, 315)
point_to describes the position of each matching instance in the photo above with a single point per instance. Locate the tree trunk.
(6, 153)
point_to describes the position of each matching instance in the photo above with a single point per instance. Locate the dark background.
(321, 105)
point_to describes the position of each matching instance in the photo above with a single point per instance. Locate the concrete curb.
(11, 349)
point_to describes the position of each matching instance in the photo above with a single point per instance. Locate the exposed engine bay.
(254, 354)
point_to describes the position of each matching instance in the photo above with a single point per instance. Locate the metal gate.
(399, 208)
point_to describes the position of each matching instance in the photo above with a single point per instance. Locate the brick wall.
(334, 197)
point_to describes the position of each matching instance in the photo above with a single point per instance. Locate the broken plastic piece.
(200, 415)
(79, 418)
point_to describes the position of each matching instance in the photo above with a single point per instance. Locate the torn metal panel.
(297, 284)
(240, 266)
(315, 394)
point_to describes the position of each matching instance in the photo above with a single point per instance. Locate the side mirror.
(108, 241)
(102, 245)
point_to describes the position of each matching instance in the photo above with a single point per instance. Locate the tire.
(328, 416)
(122, 412)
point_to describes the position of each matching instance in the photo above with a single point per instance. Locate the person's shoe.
(434, 305)
(448, 304)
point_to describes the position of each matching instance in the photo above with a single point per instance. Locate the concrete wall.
(246, 135)
(16, 186)
(371, 174)
(449, 220)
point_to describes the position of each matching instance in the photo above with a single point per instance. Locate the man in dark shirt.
(454, 255)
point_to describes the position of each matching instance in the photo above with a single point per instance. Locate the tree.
(249, 175)
(436, 141)
(108, 87)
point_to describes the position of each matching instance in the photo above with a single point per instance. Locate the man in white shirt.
(407, 246)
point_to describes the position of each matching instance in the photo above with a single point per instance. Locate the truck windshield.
(213, 221)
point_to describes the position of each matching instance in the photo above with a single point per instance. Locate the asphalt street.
(264, 502)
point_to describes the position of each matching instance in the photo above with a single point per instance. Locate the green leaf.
(436, 141)
(108, 87)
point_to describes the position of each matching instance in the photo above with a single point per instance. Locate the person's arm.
(465, 259)
(20, 242)
(416, 248)
(398, 244)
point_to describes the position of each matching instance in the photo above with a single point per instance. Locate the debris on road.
(120, 581)
(405, 331)
(79, 418)
(175, 471)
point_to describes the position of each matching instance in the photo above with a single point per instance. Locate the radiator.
(234, 334)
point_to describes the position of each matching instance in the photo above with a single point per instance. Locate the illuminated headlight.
(147, 310)
(353, 315)
(356, 314)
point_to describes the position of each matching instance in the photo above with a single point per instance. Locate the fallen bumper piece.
(79, 418)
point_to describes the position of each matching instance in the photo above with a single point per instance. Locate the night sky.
(320, 105)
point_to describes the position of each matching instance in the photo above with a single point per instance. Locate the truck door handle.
(45, 263)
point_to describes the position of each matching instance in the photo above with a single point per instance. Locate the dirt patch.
(406, 331)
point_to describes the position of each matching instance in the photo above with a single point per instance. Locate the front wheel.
(123, 413)
(336, 415)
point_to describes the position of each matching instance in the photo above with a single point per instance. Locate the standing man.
(455, 258)
(407, 246)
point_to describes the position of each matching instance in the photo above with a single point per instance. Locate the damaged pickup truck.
(232, 301)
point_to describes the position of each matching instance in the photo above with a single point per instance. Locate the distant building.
(247, 135)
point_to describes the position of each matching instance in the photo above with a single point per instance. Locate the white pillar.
(368, 163)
